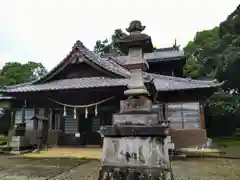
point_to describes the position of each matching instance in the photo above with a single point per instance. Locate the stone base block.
(188, 138)
(19, 143)
(19, 152)
(135, 152)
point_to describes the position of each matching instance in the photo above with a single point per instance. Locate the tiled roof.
(163, 55)
(161, 83)
(170, 83)
(78, 83)
(81, 50)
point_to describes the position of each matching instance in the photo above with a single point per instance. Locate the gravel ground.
(35, 169)
(206, 169)
(73, 169)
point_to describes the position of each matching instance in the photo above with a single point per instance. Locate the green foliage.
(200, 59)
(232, 24)
(226, 142)
(223, 103)
(106, 46)
(3, 140)
(216, 53)
(15, 73)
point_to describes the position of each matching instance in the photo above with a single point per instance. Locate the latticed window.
(184, 115)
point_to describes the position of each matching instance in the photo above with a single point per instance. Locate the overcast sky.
(45, 30)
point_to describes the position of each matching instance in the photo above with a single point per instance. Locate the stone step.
(178, 157)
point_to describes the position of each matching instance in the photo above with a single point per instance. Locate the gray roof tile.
(170, 83)
(163, 55)
(78, 83)
(161, 83)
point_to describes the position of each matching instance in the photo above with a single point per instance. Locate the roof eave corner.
(218, 85)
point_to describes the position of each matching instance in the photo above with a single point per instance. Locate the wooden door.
(84, 128)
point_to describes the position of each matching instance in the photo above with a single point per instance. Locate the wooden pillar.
(50, 119)
(13, 113)
(201, 115)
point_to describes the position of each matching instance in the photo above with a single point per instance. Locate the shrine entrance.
(88, 129)
(89, 126)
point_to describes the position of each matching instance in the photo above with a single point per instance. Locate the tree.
(106, 46)
(216, 53)
(201, 60)
(15, 73)
(229, 45)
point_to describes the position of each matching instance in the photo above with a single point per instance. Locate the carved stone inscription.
(144, 119)
(130, 105)
(135, 151)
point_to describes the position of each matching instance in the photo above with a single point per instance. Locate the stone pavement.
(80, 169)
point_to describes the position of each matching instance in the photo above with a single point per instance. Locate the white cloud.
(45, 31)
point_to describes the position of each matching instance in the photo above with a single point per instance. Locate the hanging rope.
(81, 106)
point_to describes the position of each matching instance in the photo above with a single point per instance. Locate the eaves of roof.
(171, 83)
(160, 82)
(67, 84)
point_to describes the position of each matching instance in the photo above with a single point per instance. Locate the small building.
(83, 91)
(5, 115)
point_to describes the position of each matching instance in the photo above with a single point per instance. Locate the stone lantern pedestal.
(135, 146)
(19, 142)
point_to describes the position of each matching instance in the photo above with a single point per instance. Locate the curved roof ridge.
(57, 66)
(181, 79)
(102, 62)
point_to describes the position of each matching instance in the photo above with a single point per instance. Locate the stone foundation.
(57, 137)
(181, 138)
(188, 138)
(19, 143)
(53, 137)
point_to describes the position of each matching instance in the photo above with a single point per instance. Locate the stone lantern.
(135, 146)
